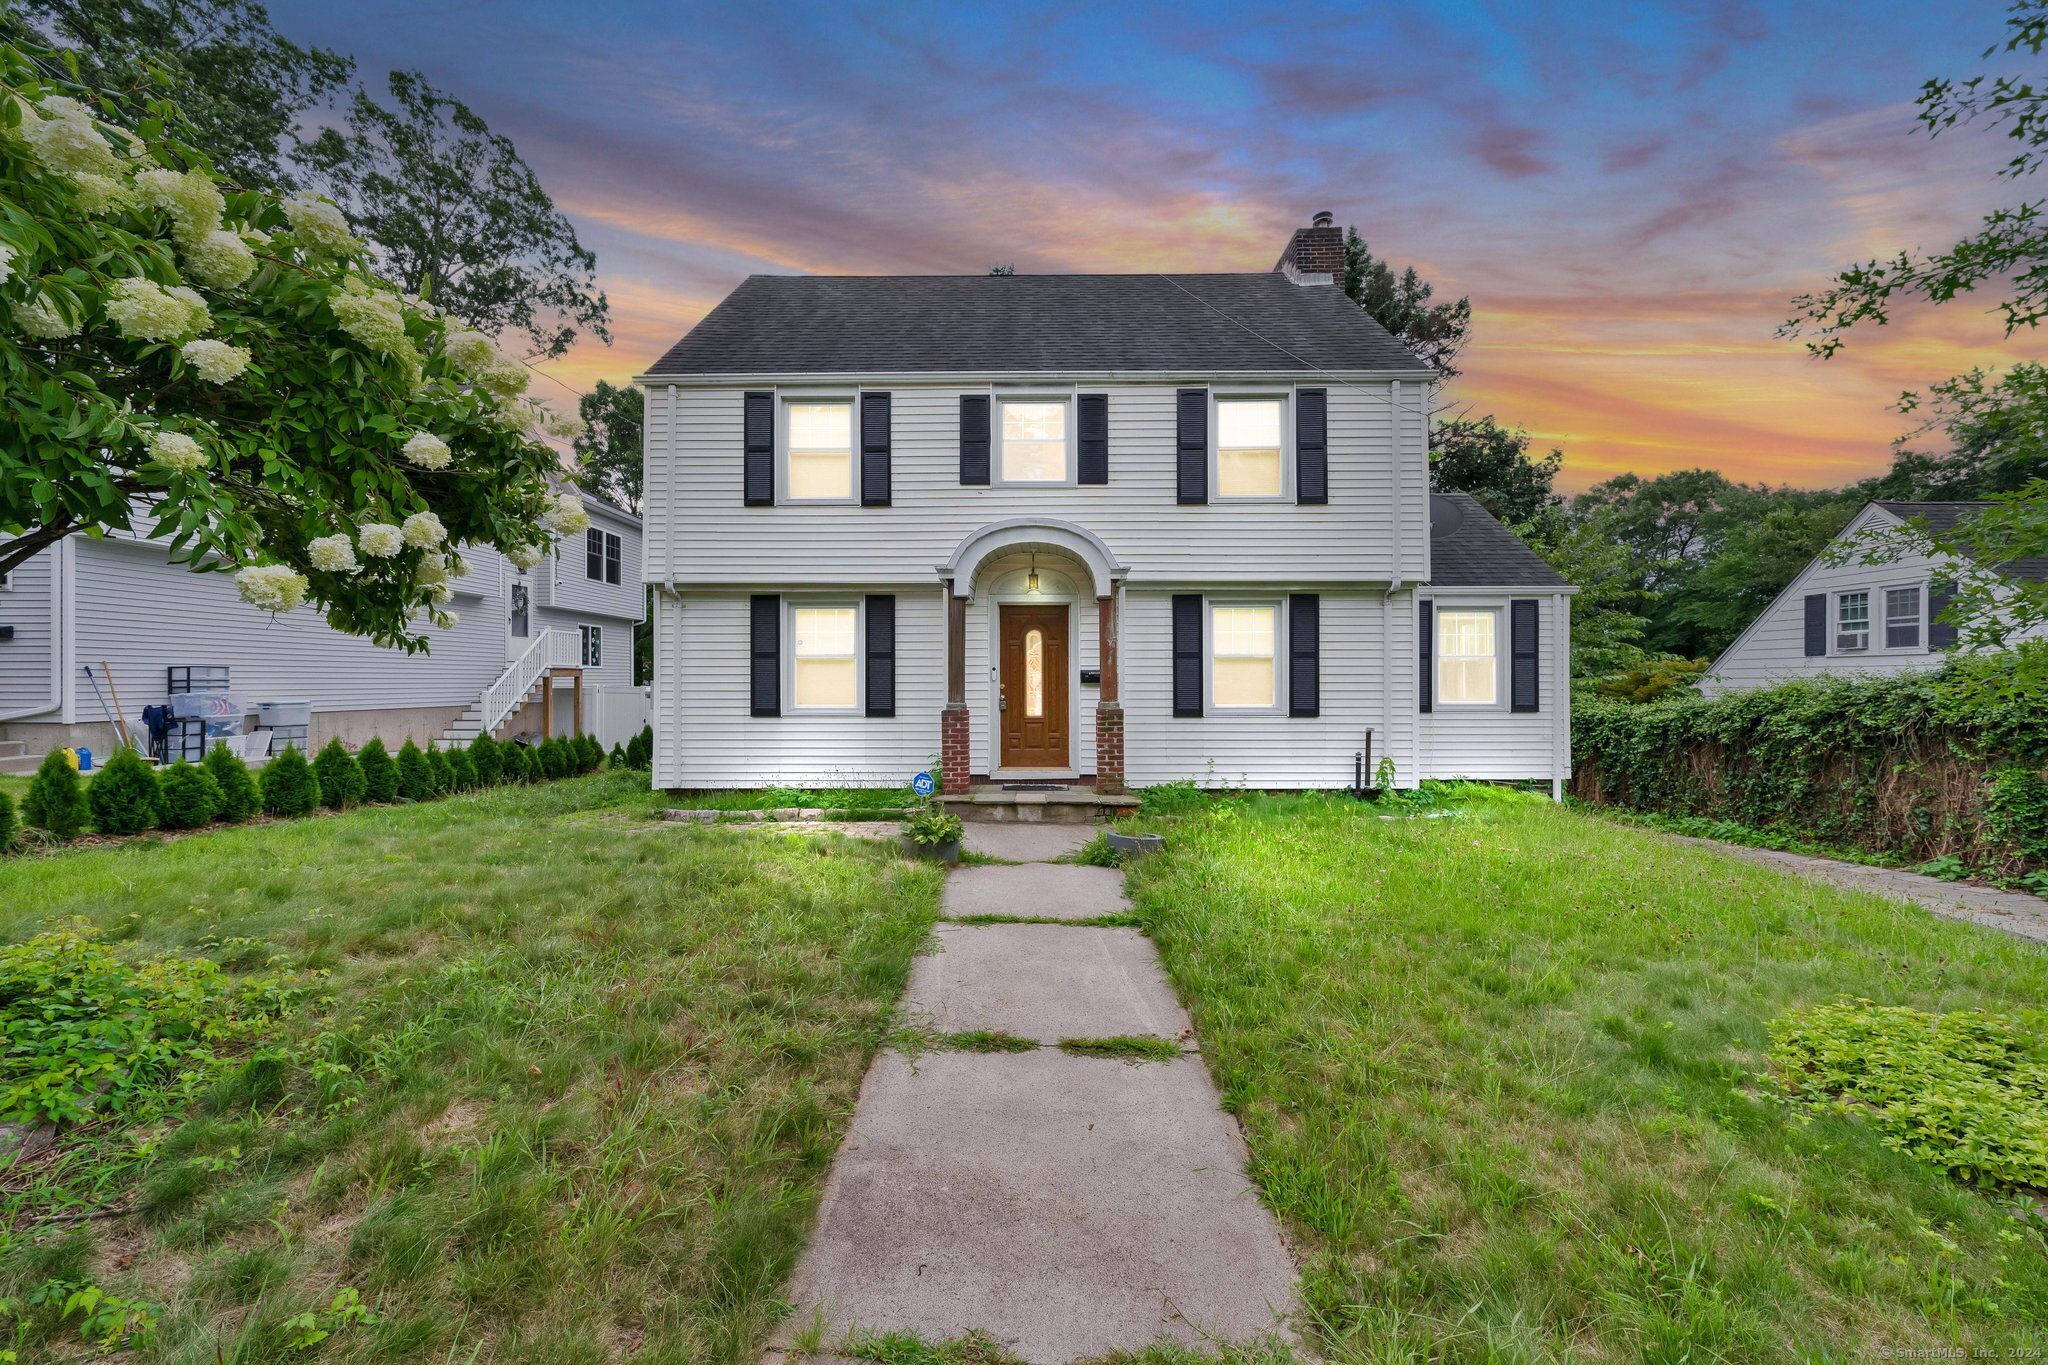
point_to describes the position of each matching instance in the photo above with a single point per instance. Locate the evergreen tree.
(485, 753)
(380, 773)
(9, 830)
(288, 785)
(123, 794)
(415, 777)
(554, 762)
(187, 796)
(1402, 304)
(56, 797)
(238, 798)
(464, 768)
(618, 756)
(342, 783)
(443, 775)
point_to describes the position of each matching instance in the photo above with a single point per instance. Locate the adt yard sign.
(923, 785)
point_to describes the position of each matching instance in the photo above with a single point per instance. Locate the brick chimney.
(1315, 254)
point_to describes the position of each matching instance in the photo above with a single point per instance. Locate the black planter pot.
(947, 853)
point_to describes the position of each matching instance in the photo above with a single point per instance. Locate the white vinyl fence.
(622, 712)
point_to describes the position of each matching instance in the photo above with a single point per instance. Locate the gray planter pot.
(1131, 845)
(947, 853)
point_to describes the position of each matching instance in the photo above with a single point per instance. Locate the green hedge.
(1919, 765)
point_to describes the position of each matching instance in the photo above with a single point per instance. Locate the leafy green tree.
(55, 802)
(610, 444)
(415, 774)
(1493, 464)
(1995, 430)
(1757, 557)
(241, 86)
(238, 795)
(215, 366)
(1404, 303)
(457, 217)
(1609, 614)
(380, 773)
(1654, 680)
(484, 753)
(288, 785)
(342, 783)
(187, 796)
(123, 794)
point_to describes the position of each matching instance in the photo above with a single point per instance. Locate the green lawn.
(1500, 1077)
(597, 1069)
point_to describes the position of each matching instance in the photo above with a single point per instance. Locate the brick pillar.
(1109, 748)
(953, 764)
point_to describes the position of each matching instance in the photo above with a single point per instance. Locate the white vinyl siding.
(27, 665)
(1494, 742)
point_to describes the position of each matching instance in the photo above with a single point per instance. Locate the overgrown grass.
(1500, 1075)
(571, 1099)
(1124, 1047)
(849, 803)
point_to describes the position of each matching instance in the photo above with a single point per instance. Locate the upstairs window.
(1034, 436)
(602, 551)
(820, 461)
(593, 645)
(1902, 618)
(1244, 656)
(825, 666)
(521, 622)
(1248, 459)
(1468, 658)
(1852, 622)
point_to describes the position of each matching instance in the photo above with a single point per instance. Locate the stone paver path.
(1068, 1206)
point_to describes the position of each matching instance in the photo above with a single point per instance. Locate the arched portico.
(1031, 533)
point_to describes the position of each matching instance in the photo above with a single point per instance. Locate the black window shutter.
(874, 450)
(1816, 624)
(1191, 445)
(1311, 445)
(881, 655)
(1425, 630)
(1524, 674)
(1187, 654)
(1304, 655)
(767, 654)
(758, 433)
(1093, 429)
(1940, 634)
(974, 438)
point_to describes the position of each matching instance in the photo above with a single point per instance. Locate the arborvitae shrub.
(238, 799)
(554, 758)
(380, 772)
(56, 797)
(483, 753)
(464, 768)
(640, 750)
(415, 777)
(618, 756)
(288, 784)
(529, 761)
(593, 754)
(444, 776)
(341, 778)
(187, 796)
(9, 830)
(123, 794)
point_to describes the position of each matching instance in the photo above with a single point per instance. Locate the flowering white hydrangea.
(427, 450)
(563, 426)
(470, 351)
(523, 555)
(445, 619)
(189, 197)
(219, 258)
(374, 317)
(380, 539)
(440, 594)
(565, 515)
(271, 587)
(143, 310)
(215, 361)
(67, 139)
(458, 567)
(423, 531)
(175, 450)
(6, 262)
(101, 194)
(332, 554)
(320, 227)
(39, 316)
(519, 417)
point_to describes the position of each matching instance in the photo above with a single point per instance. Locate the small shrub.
(554, 759)
(593, 754)
(464, 768)
(238, 796)
(444, 776)
(640, 749)
(187, 796)
(56, 797)
(8, 823)
(415, 776)
(1960, 1091)
(617, 758)
(490, 766)
(342, 782)
(123, 794)
(529, 764)
(380, 772)
(288, 785)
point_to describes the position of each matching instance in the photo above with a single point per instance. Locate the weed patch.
(1123, 1048)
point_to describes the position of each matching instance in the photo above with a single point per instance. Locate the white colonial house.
(1843, 616)
(1078, 529)
(92, 618)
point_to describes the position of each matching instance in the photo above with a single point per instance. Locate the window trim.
(1070, 426)
(1276, 605)
(1835, 646)
(784, 398)
(858, 606)
(1920, 623)
(1252, 394)
(590, 635)
(1502, 649)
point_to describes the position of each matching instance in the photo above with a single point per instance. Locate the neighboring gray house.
(1078, 529)
(1852, 618)
(119, 601)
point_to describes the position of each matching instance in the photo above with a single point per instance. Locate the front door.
(1034, 686)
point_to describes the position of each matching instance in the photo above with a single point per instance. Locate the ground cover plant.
(566, 1090)
(1508, 1078)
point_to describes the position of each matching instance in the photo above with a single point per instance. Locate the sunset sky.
(1630, 194)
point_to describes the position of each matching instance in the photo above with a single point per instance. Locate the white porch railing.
(552, 648)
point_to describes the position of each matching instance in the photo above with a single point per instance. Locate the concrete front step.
(20, 763)
(13, 748)
(1062, 805)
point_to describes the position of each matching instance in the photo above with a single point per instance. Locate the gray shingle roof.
(901, 324)
(1468, 548)
(1946, 516)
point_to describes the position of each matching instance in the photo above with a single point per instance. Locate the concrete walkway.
(1067, 1206)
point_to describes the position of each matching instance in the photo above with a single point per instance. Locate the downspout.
(58, 584)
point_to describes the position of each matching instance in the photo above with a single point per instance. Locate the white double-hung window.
(1034, 441)
(1902, 618)
(1467, 658)
(819, 458)
(1852, 622)
(825, 662)
(1248, 448)
(1244, 655)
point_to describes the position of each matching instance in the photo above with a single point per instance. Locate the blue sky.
(1629, 193)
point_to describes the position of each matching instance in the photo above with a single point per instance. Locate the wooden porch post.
(577, 719)
(547, 705)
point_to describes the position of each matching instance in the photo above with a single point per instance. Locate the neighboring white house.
(1078, 528)
(1852, 618)
(119, 607)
